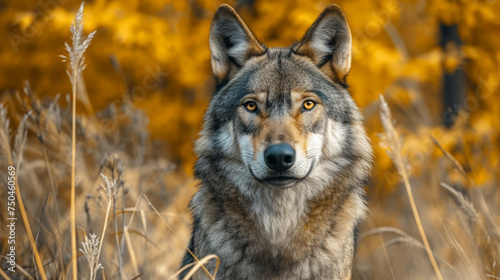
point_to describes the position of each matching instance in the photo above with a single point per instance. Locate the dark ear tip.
(224, 10)
(334, 9)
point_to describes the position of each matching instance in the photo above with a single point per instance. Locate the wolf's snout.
(279, 157)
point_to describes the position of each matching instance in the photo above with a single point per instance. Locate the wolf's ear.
(231, 43)
(328, 44)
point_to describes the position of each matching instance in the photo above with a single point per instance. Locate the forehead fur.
(278, 72)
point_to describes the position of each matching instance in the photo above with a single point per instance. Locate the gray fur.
(306, 229)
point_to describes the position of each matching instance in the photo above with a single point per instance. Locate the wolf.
(282, 158)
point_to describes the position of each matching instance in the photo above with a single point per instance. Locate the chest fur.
(281, 237)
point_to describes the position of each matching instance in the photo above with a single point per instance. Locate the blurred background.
(148, 82)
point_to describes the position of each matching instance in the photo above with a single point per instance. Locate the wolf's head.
(281, 116)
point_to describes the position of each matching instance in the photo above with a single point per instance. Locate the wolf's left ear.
(328, 44)
(231, 43)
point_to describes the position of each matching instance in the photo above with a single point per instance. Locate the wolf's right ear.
(231, 43)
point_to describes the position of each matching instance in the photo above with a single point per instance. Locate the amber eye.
(308, 105)
(250, 106)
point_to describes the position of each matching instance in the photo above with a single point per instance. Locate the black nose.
(279, 157)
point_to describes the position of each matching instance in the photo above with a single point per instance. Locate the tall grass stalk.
(394, 150)
(75, 67)
(110, 192)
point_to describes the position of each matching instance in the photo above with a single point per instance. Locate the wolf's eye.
(250, 106)
(308, 105)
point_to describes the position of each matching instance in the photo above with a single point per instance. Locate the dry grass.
(60, 142)
(17, 153)
(461, 237)
(131, 202)
(394, 149)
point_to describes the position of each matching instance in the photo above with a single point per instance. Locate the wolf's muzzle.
(279, 157)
